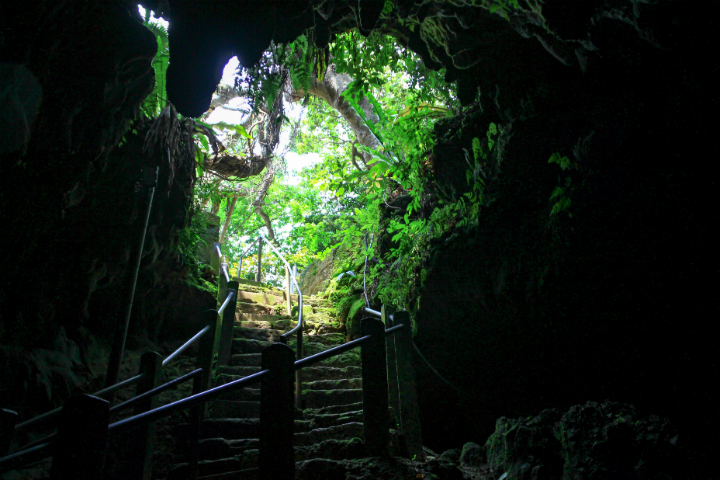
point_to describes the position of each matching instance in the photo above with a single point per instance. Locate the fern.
(157, 100)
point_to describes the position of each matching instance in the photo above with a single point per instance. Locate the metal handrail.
(294, 280)
(331, 352)
(19, 459)
(223, 266)
(202, 397)
(53, 413)
(185, 346)
(187, 402)
(157, 390)
(376, 313)
(242, 255)
(226, 302)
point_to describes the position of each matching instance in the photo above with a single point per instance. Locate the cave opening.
(527, 179)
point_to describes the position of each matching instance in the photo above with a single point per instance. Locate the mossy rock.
(307, 311)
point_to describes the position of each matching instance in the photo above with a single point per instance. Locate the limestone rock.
(317, 276)
(593, 441)
(210, 235)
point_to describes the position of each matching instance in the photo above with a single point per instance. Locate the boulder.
(472, 455)
(317, 275)
(593, 441)
(453, 455)
(210, 232)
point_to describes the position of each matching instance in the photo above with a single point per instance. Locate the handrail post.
(81, 439)
(228, 323)
(222, 292)
(374, 388)
(8, 420)
(391, 366)
(215, 258)
(200, 384)
(259, 264)
(299, 356)
(149, 180)
(277, 414)
(407, 387)
(143, 445)
(287, 291)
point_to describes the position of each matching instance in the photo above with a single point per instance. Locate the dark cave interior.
(619, 307)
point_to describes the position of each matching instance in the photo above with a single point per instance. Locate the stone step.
(244, 307)
(214, 468)
(341, 384)
(217, 448)
(261, 334)
(309, 374)
(312, 344)
(323, 398)
(310, 398)
(240, 395)
(259, 317)
(245, 360)
(248, 345)
(335, 449)
(249, 428)
(247, 474)
(351, 358)
(263, 298)
(333, 419)
(234, 409)
(327, 339)
(338, 432)
(261, 288)
(350, 407)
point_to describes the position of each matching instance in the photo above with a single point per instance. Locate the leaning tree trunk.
(331, 89)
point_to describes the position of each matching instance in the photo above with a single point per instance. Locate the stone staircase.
(329, 425)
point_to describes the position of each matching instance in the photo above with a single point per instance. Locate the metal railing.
(387, 377)
(277, 410)
(291, 275)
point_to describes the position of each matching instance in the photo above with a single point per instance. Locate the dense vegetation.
(368, 108)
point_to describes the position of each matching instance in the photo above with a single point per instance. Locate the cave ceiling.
(477, 47)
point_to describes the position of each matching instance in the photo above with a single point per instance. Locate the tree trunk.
(331, 89)
(231, 207)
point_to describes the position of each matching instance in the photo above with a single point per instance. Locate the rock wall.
(615, 302)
